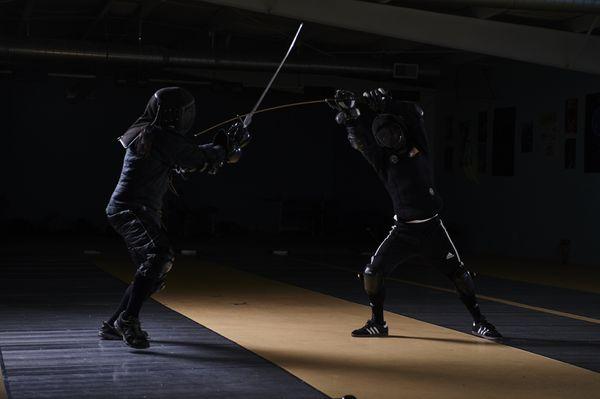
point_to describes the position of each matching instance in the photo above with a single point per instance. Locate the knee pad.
(156, 266)
(373, 281)
(166, 267)
(463, 280)
(162, 278)
(158, 273)
(159, 286)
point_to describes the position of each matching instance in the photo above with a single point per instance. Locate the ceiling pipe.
(577, 6)
(90, 53)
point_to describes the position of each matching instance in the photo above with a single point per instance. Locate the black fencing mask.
(171, 108)
(176, 109)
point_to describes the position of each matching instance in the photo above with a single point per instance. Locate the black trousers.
(428, 241)
(150, 250)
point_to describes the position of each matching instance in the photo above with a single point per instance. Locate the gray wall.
(525, 215)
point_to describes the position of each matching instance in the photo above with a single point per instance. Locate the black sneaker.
(485, 329)
(371, 329)
(109, 332)
(132, 332)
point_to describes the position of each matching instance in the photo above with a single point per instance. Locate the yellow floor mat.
(307, 333)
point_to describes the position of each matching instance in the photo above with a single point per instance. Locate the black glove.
(345, 103)
(233, 139)
(377, 99)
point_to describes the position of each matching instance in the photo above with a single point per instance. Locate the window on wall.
(503, 150)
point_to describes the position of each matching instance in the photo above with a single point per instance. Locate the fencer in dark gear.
(391, 135)
(156, 148)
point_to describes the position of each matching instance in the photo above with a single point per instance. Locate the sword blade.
(248, 118)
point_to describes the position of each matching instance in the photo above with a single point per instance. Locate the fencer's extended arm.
(362, 140)
(226, 148)
(182, 154)
(200, 158)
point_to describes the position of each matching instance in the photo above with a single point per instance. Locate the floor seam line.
(484, 297)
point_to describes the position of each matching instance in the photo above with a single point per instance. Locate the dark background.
(298, 179)
(64, 161)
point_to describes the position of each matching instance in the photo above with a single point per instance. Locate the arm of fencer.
(361, 139)
(200, 158)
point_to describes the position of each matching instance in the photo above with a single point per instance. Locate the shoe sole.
(109, 337)
(127, 343)
(370, 336)
(113, 337)
(495, 339)
(136, 346)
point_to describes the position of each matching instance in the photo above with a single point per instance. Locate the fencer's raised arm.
(344, 102)
(351, 117)
(377, 99)
(361, 139)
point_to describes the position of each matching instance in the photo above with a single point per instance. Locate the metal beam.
(291, 81)
(540, 5)
(485, 13)
(518, 42)
(14, 50)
